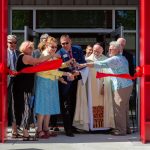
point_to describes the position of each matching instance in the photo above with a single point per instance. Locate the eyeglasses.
(12, 42)
(65, 43)
(112, 49)
(53, 47)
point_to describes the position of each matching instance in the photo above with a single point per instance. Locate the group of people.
(72, 90)
(117, 114)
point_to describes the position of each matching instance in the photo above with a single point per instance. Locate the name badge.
(65, 56)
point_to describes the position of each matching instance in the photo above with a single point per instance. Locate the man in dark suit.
(68, 91)
(12, 55)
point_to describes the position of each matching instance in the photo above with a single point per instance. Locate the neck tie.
(70, 54)
(14, 59)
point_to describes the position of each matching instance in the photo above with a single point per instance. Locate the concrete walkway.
(79, 142)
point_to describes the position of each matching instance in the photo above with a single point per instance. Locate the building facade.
(87, 21)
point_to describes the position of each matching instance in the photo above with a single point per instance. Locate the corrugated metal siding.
(107, 2)
(14, 2)
(81, 2)
(67, 2)
(133, 2)
(120, 2)
(93, 2)
(39, 2)
(54, 2)
(73, 2)
(28, 2)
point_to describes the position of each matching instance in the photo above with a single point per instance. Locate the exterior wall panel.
(54, 2)
(81, 2)
(120, 2)
(39, 2)
(73, 2)
(106, 2)
(133, 2)
(28, 2)
(67, 2)
(14, 2)
(93, 2)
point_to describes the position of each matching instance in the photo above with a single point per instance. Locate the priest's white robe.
(94, 111)
(81, 117)
(100, 106)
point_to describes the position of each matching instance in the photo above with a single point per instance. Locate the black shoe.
(56, 129)
(129, 131)
(51, 128)
(69, 134)
(74, 129)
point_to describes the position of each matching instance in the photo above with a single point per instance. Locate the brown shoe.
(50, 133)
(41, 135)
(117, 133)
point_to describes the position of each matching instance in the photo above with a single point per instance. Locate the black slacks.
(68, 102)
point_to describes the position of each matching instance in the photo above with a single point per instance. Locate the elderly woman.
(122, 88)
(23, 86)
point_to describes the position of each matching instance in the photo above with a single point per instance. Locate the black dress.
(22, 91)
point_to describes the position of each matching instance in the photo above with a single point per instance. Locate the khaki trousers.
(121, 108)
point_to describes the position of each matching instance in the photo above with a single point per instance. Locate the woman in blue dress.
(46, 92)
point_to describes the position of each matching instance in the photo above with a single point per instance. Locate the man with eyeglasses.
(68, 91)
(12, 55)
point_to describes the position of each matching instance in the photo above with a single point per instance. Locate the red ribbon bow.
(139, 73)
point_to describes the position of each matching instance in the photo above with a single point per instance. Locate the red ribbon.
(55, 64)
(48, 65)
(139, 73)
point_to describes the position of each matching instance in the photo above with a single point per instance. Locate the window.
(126, 18)
(131, 41)
(74, 19)
(20, 18)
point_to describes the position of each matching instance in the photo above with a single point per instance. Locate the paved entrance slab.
(79, 142)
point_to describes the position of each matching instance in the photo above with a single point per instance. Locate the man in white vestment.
(94, 107)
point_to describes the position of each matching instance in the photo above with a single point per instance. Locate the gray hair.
(115, 44)
(44, 37)
(12, 37)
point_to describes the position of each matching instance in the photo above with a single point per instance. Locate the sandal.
(29, 138)
(16, 135)
(50, 134)
(41, 135)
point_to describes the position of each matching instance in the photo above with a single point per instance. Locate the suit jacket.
(129, 57)
(10, 78)
(9, 58)
(77, 53)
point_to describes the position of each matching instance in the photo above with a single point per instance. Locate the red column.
(145, 61)
(3, 63)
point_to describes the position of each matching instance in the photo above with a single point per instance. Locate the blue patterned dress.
(46, 93)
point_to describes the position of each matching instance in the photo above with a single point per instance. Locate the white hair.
(12, 37)
(116, 45)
